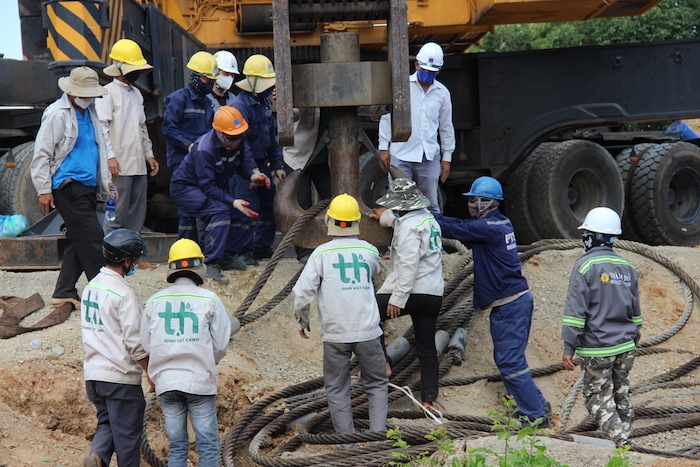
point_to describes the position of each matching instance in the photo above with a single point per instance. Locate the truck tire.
(666, 201)
(630, 231)
(17, 192)
(567, 182)
(516, 197)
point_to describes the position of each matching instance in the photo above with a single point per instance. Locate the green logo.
(356, 265)
(184, 313)
(435, 239)
(94, 315)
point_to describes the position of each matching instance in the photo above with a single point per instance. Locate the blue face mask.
(132, 271)
(426, 77)
(265, 94)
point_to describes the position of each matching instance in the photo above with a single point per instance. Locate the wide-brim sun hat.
(82, 82)
(200, 271)
(121, 69)
(261, 84)
(403, 195)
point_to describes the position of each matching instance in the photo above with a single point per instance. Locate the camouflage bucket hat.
(403, 195)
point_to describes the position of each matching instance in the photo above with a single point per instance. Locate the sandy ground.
(45, 418)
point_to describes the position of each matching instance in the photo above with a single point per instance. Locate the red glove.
(242, 205)
(260, 179)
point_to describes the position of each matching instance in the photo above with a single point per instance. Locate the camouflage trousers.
(606, 388)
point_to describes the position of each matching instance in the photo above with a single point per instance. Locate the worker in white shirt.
(129, 149)
(424, 158)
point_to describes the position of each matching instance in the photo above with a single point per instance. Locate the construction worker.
(114, 357)
(188, 115)
(339, 274)
(423, 157)
(499, 285)
(129, 149)
(69, 167)
(261, 144)
(183, 368)
(200, 187)
(602, 324)
(221, 94)
(414, 283)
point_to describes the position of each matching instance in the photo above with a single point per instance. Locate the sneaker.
(89, 461)
(264, 252)
(214, 273)
(55, 301)
(248, 259)
(234, 264)
(347, 446)
(526, 423)
(547, 408)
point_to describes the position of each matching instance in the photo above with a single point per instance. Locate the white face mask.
(224, 82)
(83, 102)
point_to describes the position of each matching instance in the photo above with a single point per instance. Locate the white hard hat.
(602, 220)
(226, 61)
(430, 57)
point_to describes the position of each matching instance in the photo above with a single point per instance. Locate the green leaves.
(670, 19)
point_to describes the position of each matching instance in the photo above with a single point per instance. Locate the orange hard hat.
(230, 121)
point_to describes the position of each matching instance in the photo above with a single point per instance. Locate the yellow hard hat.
(127, 51)
(260, 66)
(184, 249)
(204, 63)
(344, 208)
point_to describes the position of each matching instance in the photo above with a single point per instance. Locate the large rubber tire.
(17, 192)
(666, 199)
(630, 231)
(374, 182)
(567, 182)
(516, 197)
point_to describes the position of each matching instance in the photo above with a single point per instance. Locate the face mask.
(265, 94)
(133, 269)
(132, 77)
(426, 77)
(224, 82)
(83, 102)
(206, 87)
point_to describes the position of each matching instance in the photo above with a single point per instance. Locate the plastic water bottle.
(111, 205)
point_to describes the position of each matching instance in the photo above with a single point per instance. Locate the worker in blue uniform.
(200, 186)
(188, 115)
(261, 144)
(499, 285)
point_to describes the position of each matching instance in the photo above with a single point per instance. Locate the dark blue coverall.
(496, 276)
(261, 144)
(187, 116)
(200, 188)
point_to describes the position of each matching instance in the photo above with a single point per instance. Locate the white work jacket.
(123, 122)
(431, 113)
(339, 273)
(416, 256)
(55, 140)
(110, 316)
(186, 331)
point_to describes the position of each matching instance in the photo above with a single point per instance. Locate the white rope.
(429, 412)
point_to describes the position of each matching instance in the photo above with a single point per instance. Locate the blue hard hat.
(486, 187)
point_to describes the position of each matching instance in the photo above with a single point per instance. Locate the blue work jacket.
(496, 264)
(187, 117)
(209, 167)
(261, 137)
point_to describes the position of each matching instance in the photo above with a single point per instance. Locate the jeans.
(202, 409)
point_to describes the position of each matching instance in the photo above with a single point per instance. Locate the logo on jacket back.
(615, 278)
(356, 266)
(435, 239)
(92, 310)
(181, 316)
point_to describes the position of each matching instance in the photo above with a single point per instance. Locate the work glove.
(280, 174)
(260, 179)
(242, 205)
